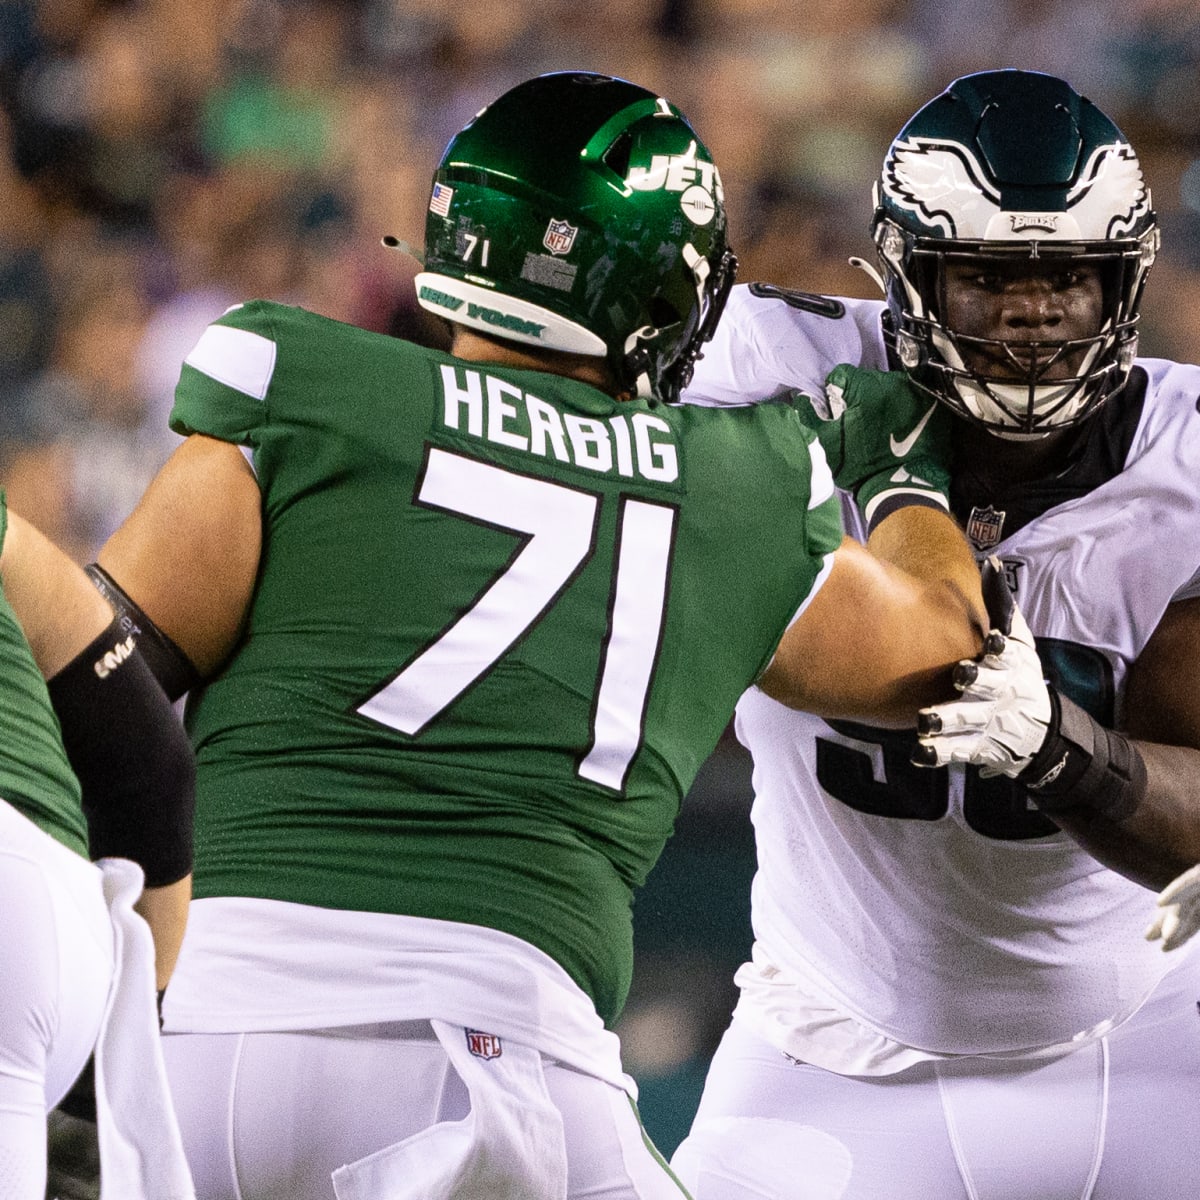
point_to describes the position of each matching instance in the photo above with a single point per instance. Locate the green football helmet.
(1008, 165)
(581, 213)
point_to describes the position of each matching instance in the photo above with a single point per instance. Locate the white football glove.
(1178, 916)
(1000, 722)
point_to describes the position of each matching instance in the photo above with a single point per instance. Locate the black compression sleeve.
(1084, 765)
(132, 757)
(170, 666)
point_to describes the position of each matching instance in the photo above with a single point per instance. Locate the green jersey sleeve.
(226, 378)
(824, 527)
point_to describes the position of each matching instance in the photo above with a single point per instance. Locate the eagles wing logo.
(1111, 180)
(943, 184)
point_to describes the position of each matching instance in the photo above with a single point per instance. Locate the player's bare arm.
(59, 611)
(165, 910)
(1161, 835)
(187, 555)
(884, 629)
(881, 637)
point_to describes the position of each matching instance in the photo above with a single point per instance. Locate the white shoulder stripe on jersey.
(822, 476)
(235, 357)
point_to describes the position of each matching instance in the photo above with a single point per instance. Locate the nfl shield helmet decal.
(984, 527)
(483, 1045)
(559, 237)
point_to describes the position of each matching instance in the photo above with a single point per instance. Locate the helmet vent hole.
(616, 157)
(662, 313)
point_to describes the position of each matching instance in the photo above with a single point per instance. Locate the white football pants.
(56, 966)
(268, 1115)
(1114, 1120)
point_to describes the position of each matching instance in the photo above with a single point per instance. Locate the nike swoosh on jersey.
(905, 476)
(902, 447)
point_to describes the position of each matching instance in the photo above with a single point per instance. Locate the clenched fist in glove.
(1010, 721)
(1001, 720)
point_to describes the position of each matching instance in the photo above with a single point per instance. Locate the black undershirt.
(1087, 457)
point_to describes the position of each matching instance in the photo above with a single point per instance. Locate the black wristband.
(169, 665)
(899, 499)
(132, 757)
(1084, 765)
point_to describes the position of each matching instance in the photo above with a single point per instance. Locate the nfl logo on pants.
(483, 1045)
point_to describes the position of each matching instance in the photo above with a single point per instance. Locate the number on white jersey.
(995, 807)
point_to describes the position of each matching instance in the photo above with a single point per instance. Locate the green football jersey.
(35, 777)
(501, 620)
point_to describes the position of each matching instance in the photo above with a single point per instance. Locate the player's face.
(1030, 306)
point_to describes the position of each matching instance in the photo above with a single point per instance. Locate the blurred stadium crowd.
(163, 159)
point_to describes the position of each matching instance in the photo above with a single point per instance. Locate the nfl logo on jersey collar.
(984, 527)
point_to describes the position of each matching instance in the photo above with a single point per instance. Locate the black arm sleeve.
(129, 750)
(170, 666)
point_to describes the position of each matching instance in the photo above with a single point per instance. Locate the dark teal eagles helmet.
(1002, 165)
(582, 213)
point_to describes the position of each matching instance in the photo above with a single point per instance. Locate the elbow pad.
(132, 757)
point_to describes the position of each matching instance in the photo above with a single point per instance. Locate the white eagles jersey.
(934, 908)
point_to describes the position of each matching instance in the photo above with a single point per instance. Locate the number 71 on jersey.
(557, 525)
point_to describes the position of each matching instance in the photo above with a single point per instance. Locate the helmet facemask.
(1010, 385)
(659, 359)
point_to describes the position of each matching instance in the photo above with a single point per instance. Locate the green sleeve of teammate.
(885, 441)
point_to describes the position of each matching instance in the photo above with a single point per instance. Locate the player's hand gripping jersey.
(480, 673)
(935, 909)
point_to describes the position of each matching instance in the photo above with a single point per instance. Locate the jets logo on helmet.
(697, 206)
(677, 173)
(697, 180)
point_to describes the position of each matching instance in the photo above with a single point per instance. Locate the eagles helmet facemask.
(581, 213)
(1008, 165)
